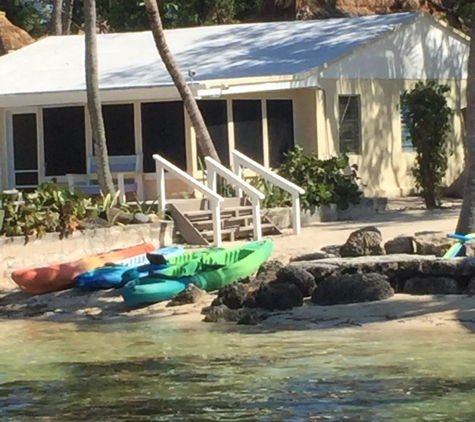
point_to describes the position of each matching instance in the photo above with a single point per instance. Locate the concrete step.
(225, 222)
(207, 214)
(239, 232)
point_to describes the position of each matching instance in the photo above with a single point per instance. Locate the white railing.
(161, 164)
(240, 160)
(214, 168)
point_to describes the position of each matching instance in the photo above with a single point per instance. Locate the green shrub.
(324, 181)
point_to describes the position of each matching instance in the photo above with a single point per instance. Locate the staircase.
(194, 221)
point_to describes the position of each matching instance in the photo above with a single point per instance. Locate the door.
(24, 173)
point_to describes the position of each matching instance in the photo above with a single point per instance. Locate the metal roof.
(130, 60)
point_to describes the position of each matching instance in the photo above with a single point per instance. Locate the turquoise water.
(148, 372)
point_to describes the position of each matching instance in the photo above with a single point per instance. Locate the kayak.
(158, 263)
(110, 275)
(56, 277)
(210, 272)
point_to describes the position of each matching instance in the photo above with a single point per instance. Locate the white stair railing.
(240, 160)
(161, 164)
(214, 168)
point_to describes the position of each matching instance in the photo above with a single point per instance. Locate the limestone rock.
(269, 268)
(400, 244)
(352, 288)
(191, 294)
(276, 296)
(431, 286)
(365, 241)
(221, 314)
(432, 243)
(248, 319)
(233, 296)
(302, 279)
(312, 256)
(141, 218)
(154, 218)
(115, 215)
(471, 287)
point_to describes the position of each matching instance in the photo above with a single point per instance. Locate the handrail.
(214, 168)
(161, 164)
(240, 160)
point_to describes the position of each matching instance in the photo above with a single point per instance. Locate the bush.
(427, 116)
(324, 181)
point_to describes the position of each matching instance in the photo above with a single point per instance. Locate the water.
(148, 372)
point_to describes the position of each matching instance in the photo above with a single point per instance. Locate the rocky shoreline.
(318, 290)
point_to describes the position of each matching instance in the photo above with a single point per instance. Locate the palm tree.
(56, 22)
(466, 222)
(67, 16)
(93, 100)
(202, 135)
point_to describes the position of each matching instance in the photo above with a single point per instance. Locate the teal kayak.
(209, 272)
(111, 275)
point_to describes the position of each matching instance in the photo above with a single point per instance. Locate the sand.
(400, 312)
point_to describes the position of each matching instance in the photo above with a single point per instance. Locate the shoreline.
(402, 311)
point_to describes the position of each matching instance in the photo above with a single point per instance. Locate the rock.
(302, 279)
(365, 241)
(400, 244)
(191, 294)
(233, 296)
(471, 286)
(115, 215)
(154, 218)
(221, 313)
(332, 249)
(275, 296)
(432, 243)
(248, 319)
(352, 288)
(431, 286)
(141, 218)
(269, 268)
(313, 256)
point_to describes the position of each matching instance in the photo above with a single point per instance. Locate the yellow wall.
(384, 167)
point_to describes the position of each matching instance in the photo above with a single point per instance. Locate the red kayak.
(56, 277)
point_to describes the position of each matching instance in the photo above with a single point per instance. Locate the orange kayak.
(56, 277)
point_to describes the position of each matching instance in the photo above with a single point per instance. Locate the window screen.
(216, 118)
(119, 124)
(163, 132)
(247, 115)
(64, 140)
(280, 121)
(350, 123)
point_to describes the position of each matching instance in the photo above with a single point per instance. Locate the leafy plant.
(324, 181)
(427, 116)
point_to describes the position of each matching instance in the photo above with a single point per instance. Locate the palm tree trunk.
(56, 25)
(466, 222)
(202, 135)
(94, 101)
(67, 16)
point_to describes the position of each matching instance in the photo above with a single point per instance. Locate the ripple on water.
(144, 371)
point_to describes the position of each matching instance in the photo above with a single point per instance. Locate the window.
(64, 140)
(247, 115)
(215, 116)
(406, 137)
(119, 125)
(280, 121)
(163, 132)
(350, 123)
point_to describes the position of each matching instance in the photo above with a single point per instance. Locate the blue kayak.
(110, 275)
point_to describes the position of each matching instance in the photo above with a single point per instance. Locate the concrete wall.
(384, 167)
(49, 249)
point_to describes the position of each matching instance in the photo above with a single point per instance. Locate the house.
(327, 85)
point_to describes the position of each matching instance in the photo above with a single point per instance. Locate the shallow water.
(148, 372)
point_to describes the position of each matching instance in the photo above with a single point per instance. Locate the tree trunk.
(67, 16)
(56, 25)
(202, 135)
(94, 101)
(466, 222)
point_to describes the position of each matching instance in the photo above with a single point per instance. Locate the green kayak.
(209, 272)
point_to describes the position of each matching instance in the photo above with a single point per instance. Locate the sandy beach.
(399, 312)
